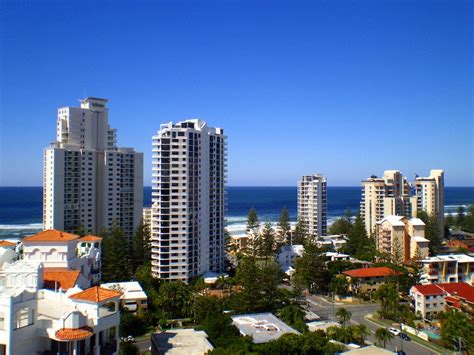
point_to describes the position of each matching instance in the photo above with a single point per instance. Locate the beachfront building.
(401, 237)
(388, 195)
(312, 204)
(448, 268)
(429, 196)
(42, 308)
(89, 182)
(432, 299)
(188, 200)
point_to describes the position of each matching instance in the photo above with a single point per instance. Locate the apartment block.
(312, 204)
(188, 200)
(429, 196)
(448, 268)
(88, 181)
(402, 237)
(389, 195)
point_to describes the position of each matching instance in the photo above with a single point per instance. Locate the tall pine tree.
(115, 255)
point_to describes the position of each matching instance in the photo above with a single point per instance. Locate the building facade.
(389, 195)
(89, 182)
(448, 268)
(188, 200)
(401, 237)
(312, 204)
(429, 196)
(47, 304)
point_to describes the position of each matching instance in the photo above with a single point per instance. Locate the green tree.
(267, 241)
(360, 332)
(467, 223)
(383, 336)
(294, 317)
(253, 232)
(141, 247)
(461, 213)
(457, 329)
(343, 315)
(339, 285)
(342, 225)
(175, 300)
(432, 231)
(389, 300)
(300, 233)
(311, 269)
(115, 255)
(283, 235)
(359, 245)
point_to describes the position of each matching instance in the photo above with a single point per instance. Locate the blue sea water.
(21, 207)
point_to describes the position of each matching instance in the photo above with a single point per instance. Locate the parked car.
(404, 336)
(394, 331)
(401, 352)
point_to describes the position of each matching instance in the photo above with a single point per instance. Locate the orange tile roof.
(91, 238)
(69, 334)
(371, 272)
(5, 243)
(458, 290)
(51, 235)
(60, 278)
(96, 294)
(429, 290)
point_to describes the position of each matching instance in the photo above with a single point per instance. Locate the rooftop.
(51, 235)
(451, 257)
(6, 243)
(182, 341)
(91, 238)
(371, 272)
(369, 350)
(55, 278)
(130, 290)
(263, 327)
(95, 294)
(69, 334)
(456, 289)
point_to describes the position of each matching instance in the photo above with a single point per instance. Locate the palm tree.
(361, 332)
(343, 315)
(383, 335)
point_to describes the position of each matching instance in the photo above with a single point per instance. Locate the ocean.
(21, 207)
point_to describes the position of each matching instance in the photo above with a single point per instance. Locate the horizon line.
(464, 186)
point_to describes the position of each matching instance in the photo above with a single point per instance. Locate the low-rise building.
(432, 299)
(180, 341)
(63, 319)
(332, 242)
(369, 279)
(448, 269)
(262, 327)
(133, 298)
(466, 244)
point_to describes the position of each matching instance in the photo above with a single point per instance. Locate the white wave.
(30, 226)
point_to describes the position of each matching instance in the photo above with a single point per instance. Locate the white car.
(394, 331)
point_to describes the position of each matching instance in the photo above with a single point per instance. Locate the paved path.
(327, 310)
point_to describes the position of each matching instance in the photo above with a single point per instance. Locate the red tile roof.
(371, 272)
(455, 289)
(429, 290)
(60, 278)
(96, 294)
(5, 243)
(91, 238)
(51, 235)
(69, 334)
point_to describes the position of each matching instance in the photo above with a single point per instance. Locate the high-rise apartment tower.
(312, 204)
(88, 182)
(188, 200)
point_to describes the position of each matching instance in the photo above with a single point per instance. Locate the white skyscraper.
(312, 204)
(188, 200)
(88, 181)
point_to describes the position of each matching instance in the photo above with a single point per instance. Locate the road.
(326, 309)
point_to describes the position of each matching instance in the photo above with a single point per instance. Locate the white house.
(62, 319)
(133, 297)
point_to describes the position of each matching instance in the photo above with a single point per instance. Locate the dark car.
(404, 336)
(401, 352)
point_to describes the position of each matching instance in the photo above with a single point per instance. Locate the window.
(24, 317)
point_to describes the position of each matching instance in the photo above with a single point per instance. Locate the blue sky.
(344, 88)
